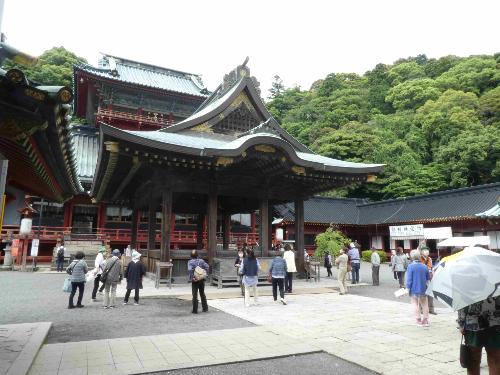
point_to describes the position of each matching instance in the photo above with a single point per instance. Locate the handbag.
(465, 355)
(269, 278)
(349, 267)
(67, 285)
(105, 273)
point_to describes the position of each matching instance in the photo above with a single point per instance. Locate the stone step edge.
(23, 362)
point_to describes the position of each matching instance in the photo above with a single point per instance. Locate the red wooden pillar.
(68, 213)
(101, 216)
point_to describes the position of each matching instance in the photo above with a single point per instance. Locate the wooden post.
(152, 225)
(199, 231)
(133, 229)
(226, 223)
(166, 224)
(212, 224)
(299, 232)
(264, 226)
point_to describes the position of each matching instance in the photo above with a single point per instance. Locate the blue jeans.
(60, 264)
(355, 273)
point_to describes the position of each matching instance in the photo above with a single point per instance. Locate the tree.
(277, 87)
(330, 242)
(475, 74)
(412, 94)
(54, 67)
(428, 120)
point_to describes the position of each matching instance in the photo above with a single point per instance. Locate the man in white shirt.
(289, 257)
(375, 260)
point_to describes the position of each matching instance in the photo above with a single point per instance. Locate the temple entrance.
(84, 219)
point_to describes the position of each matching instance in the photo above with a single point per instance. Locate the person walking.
(112, 275)
(77, 269)
(416, 282)
(393, 254)
(427, 261)
(134, 273)
(375, 261)
(341, 262)
(399, 265)
(353, 255)
(197, 285)
(237, 264)
(278, 272)
(307, 264)
(480, 325)
(250, 270)
(289, 257)
(60, 257)
(328, 264)
(98, 268)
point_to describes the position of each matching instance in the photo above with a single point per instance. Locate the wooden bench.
(224, 273)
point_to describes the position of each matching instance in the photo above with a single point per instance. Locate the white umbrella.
(467, 277)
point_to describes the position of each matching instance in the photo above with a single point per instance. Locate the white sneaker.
(136, 304)
(247, 305)
(283, 301)
(125, 303)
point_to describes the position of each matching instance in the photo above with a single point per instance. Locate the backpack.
(199, 273)
(60, 252)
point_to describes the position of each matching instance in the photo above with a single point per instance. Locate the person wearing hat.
(427, 261)
(98, 267)
(113, 275)
(134, 274)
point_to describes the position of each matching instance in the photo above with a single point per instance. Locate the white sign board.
(34, 247)
(407, 231)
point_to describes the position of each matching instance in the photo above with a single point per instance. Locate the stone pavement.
(137, 355)
(19, 345)
(377, 334)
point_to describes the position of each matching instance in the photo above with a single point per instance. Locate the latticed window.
(239, 121)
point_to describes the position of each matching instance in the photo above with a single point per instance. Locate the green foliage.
(367, 254)
(54, 67)
(331, 241)
(434, 122)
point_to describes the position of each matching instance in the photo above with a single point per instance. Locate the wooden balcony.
(151, 120)
(181, 238)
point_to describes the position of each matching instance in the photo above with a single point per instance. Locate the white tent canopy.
(465, 241)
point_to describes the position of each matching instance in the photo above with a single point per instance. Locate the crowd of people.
(479, 322)
(106, 275)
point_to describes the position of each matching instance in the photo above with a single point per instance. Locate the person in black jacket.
(134, 273)
(237, 264)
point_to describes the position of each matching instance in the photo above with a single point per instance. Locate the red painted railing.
(124, 235)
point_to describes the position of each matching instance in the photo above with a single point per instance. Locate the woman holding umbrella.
(480, 325)
(469, 282)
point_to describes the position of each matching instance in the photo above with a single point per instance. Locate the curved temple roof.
(205, 146)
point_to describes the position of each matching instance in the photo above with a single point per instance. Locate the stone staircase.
(89, 247)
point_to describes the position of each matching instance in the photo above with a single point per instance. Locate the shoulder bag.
(465, 354)
(105, 273)
(199, 273)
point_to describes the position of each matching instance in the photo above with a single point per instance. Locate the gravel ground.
(27, 297)
(309, 364)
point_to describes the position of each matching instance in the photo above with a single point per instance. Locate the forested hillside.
(434, 122)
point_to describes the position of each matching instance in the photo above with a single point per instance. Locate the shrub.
(366, 255)
(331, 241)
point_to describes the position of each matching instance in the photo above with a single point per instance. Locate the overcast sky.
(301, 41)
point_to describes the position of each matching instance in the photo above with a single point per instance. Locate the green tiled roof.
(150, 76)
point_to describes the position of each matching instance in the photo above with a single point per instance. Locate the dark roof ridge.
(123, 59)
(340, 198)
(435, 194)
